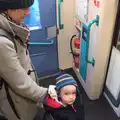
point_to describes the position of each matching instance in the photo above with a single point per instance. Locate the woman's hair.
(2, 11)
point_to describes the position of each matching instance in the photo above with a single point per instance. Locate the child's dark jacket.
(68, 112)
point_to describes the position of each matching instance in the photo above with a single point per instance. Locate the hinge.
(57, 31)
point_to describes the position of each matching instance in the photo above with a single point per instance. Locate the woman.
(19, 93)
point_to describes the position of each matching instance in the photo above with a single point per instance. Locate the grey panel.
(51, 32)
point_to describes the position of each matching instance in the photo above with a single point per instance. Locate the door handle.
(96, 20)
(61, 26)
(50, 42)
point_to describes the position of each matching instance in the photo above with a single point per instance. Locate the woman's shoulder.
(5, 38)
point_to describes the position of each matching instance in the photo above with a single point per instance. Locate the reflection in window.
(33, 20)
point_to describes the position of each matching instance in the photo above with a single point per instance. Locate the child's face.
(68, 94)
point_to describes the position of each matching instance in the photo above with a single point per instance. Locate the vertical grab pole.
(96, 20)
(61, 26)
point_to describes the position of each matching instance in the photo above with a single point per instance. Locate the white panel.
(108, 81)
(82, 10)
(113, 79)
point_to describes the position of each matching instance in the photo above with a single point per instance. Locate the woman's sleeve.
(14, 74)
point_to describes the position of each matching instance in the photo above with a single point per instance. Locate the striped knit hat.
(64, 79)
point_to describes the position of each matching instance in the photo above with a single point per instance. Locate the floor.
(94, 110)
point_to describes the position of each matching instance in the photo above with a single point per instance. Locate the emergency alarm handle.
(42, 43)
(96, 20)
(61, 26)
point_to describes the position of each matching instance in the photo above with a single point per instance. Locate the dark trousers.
(40, 114)
(2, 118)
(36, 118)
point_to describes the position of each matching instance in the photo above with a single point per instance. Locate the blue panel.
(83, 52)
(85, 37)
(83, 63)
(48, 12)
(37, 49)
(45, 58)
(38, 35)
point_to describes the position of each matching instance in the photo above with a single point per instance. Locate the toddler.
(63, 101)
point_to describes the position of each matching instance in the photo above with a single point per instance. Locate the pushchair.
(53, 115)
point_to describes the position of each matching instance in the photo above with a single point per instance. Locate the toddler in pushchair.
(64, 100)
